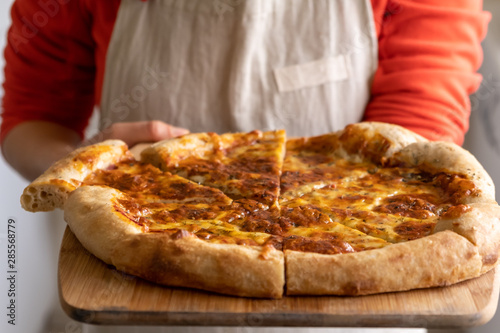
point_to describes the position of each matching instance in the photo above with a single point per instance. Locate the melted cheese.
(328, 204)
(242, 165)
(391, 203)
(223, 226)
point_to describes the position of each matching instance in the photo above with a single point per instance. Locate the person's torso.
(301, 65)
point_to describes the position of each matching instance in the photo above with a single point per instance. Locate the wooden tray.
(92, 292)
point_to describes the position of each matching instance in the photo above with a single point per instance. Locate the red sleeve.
(50, 70)
(429, 52)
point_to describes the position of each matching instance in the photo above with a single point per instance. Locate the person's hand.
(31, 147)
(137, 132)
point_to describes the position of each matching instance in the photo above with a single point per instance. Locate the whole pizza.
(369, 209)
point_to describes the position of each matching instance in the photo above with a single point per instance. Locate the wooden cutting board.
(92, 292)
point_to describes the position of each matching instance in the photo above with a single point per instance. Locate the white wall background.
(38, 236)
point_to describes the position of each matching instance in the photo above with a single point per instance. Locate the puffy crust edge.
(437, 155)
(197, 144)
(190, 262)
(481, 226)
(51, 189)
(184, 261)
(374, 141)
(201, 144)
(440, 259)
(89, 214)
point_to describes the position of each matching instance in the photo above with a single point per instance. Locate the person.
(159, 69)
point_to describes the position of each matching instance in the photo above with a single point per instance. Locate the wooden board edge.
(119, 316)
(488, 312)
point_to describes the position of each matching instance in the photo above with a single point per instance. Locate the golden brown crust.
(89, 213)
(190, 262)
(374, 141)
(437, 260)
(175, 149)
(481, 226)
(176, 261)
(51, 189)
(435, 156)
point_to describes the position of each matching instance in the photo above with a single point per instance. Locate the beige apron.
(238, 65)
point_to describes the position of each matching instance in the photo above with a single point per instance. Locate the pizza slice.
(406, 195)
(51, 189)
(176, 244)
(214, 238)
(242, 165)
(160, 226)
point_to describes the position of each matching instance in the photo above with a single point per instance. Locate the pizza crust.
(398, 135)
(190, 262)
(89, 213)
(435, 156)
(51, 189)
(183, 260)
(438, 260)
(481, 226)
(202, 145)
(373, 141)
(176, 149)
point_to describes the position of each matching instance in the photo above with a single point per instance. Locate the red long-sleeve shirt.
(429, 52)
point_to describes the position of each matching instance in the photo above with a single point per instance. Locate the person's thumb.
(152, 131)
(133, 133)
(178, 131)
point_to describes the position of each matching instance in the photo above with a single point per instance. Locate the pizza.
(372, 208)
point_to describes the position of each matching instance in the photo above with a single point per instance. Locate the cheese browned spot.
(243, 178)
(307, 225)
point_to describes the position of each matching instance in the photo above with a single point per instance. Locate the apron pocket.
(312, 73)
